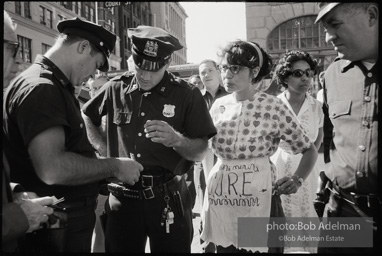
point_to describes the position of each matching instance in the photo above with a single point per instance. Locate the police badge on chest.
(168, 110)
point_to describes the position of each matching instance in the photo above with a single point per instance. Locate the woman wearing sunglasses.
(250, 125)
(295, 73)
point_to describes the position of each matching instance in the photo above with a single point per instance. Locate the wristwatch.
(299, 179)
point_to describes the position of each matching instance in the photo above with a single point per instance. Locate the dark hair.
(209, 61)
(244, 54)
(285, 65)
(68, 39)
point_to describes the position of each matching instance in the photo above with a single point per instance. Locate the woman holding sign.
(250, 125)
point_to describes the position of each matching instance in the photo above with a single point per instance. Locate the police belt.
(371, 201)
(145, 193)
(79, 204)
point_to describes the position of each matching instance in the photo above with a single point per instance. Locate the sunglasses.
(15, 47)
(233, 68)
(299, 73)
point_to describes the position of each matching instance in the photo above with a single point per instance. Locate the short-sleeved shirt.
(254, 127)
(38, 99)
(351, 103)
(127, 108)
(219, 93)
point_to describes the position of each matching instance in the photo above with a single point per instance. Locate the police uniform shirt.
(128, 108)
(351, 94)
(38, 99)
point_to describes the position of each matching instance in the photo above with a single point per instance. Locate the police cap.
(96, 34)
(152, 47)
(325, 7)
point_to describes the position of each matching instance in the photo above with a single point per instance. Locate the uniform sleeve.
(291, 131)
(41, 109)
(198, 122)
(96, 107)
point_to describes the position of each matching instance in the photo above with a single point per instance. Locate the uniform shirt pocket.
(339, 108)
(121, 118)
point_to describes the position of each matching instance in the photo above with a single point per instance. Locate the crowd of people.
(110, 174)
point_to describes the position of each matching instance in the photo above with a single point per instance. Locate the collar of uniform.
(346, 65)
(164, 85)
(48, 64)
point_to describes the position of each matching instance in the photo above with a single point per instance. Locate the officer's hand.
(161, 132)
(36, 211)
(129, 170)
(287, 185)
(20, 196)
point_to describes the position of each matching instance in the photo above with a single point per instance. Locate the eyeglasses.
(15, 46)
(299, 73)
(233, 68)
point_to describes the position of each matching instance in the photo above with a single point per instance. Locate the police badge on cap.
(152, 47)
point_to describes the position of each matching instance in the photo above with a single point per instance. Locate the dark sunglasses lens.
(298, 73)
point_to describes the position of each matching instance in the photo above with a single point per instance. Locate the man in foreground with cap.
(45, 138)
(351, 107)
(157, 119)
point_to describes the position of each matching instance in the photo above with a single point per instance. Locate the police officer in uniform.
(351, 118)
(45, 138)
(157, 119)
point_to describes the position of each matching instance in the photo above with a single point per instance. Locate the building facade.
(131, 15)
(171, 17)
(280, 27)
(37, 21)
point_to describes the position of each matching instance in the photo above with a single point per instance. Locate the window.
(44, 48)
(297, 33)
(46, 17)
(42, 15)
(67, 5)
(27, 10)
(79, 5)
(25, 48)
(49, 18)
(125, 20)
(92, 17)
(75, 7)
(18, 8)
(87, 12)
(113, 27)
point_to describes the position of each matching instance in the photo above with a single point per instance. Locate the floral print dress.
(240, 183)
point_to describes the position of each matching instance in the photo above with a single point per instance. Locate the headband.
(259, 53)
